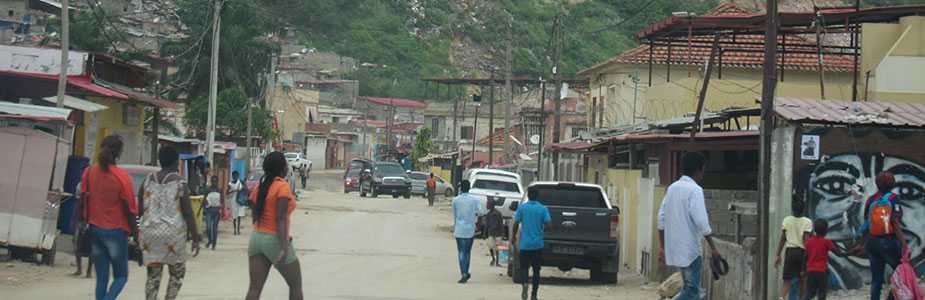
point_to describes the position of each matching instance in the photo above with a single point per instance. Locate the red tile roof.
(397, 102)
(877, 113)
(740, 51)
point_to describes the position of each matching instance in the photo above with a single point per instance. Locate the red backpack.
(881, 214)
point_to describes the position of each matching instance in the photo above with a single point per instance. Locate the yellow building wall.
(445, 174)
(297, 105)
(623, 94)
(881, 41)
(110, 121)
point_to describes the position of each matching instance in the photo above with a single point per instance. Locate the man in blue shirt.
(466, 210)
(531, 217)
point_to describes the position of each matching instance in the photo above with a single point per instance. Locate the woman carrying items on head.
(166, 224)
(272, 204)
(111, 210)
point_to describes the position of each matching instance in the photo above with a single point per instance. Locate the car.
(584, 231)
(297, 161)
(253, 179)
(385, 178)
(419, 185)
(358, 164)
(501, 187)
(352, 180)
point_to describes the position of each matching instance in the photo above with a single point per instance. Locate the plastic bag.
(905, 283)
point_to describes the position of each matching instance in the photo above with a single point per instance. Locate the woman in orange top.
(270, 244)
(111, 211)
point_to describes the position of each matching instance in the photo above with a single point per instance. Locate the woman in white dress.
(238, 211)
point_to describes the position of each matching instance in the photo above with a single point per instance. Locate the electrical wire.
(618, 24)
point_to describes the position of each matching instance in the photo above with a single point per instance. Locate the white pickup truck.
(297, 161)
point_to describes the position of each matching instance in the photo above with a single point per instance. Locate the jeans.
(691, 274)
(531, 259)
(881, 251)
(817, 284)
(110, 247)
(212, 217)
(464, 246)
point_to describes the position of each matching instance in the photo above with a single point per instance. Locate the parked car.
(584, 231)
(297, 161)
(419, 184)
(501, 187)
(358, 164)
(385, 178)
(352, 180)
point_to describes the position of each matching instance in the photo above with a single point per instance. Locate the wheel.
(448, 193)
(48, 256)
(408, 195)
(597, 275)
(395, 195)
(346, 191)
(516, 276)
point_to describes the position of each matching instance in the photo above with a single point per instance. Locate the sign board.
(535, 139)
(40, 60)
(809, 148)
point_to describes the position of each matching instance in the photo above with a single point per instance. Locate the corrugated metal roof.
(77, 103)
(850, 113)
(33, 112)
(397, 102)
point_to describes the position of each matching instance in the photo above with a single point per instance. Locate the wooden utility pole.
(455, 115)
(510, 98)
(65, 45)
(769, 84)
(491, 118)
(556, 132)
(696, 126)
(213, 81)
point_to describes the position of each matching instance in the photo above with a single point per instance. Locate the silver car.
(419, 184)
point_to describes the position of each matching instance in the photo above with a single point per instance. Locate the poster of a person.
(809, 149)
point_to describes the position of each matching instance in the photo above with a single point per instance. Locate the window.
(11, 13)
(466, 133)
(434, 128)
(576, 131)
(486, 184)
(418, 176)
(574, 196)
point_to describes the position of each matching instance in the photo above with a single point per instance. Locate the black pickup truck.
(583, 233)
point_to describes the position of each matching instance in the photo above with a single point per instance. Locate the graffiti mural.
(837, 188)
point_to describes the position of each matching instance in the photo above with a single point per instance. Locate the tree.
(231, 112)
(422, 146)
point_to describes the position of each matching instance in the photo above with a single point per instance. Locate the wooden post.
(769, 84)
(703, 90)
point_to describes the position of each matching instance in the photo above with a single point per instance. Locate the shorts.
(794, 263)
(268, 245)
(492, 243)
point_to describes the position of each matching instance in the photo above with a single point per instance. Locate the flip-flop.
(719, 267)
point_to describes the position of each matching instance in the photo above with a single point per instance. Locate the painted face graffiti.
(837, 189)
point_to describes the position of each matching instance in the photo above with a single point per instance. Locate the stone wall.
(739, 283)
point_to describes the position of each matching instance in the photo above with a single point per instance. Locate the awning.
(33, 112)
(77, 103)
(78, 81)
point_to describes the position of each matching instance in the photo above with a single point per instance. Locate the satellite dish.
(535, 139)
(564, 92)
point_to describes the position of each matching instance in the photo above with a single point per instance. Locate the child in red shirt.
(817, 260)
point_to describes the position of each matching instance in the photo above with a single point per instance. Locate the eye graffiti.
(836, 190)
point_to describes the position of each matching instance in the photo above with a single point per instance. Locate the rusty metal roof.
(877, 113)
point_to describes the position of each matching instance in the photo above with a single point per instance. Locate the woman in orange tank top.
(272, 204)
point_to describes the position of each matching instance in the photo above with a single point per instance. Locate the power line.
(618, 24)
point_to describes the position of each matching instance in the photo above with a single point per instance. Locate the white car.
(297, 161)
(501, 187)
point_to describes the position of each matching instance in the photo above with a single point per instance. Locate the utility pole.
(65, 44)
(510, 98)
(455, 115)
(250, 121)
(769, 85)
(213, 81)
(491, 118)
(558, 102)
(475, 130)
(539, 148)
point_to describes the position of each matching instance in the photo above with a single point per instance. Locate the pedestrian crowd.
(158, 228)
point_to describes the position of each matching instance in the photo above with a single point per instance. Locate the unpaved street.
(349, 248)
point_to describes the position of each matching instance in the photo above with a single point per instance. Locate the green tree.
(422, 146)
(231, 116)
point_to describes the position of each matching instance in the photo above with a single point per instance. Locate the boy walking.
(795, 230)
(531, 217)
(817, 260)
(494, 229)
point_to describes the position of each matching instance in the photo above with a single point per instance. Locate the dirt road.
(350, 248)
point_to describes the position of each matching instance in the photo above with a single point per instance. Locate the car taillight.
(614, 225)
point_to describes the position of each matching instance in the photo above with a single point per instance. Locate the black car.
(357, 165)
(385, 178)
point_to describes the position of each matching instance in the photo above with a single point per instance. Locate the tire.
(394, 195)
(448, 193)
(407, 195)
(516, 275)
(602, 277)
(48, 256)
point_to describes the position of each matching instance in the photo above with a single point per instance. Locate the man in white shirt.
(682, 223)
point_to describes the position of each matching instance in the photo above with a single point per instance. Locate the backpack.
(881, 212)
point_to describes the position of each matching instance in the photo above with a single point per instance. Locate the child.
(817, 260)
(795, 230)
(494, 229)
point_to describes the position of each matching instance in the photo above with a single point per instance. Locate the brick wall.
(722, 220)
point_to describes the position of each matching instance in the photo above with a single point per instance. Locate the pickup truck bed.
(582, 233)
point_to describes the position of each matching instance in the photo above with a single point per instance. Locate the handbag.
(904, 281)
(84, 247)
